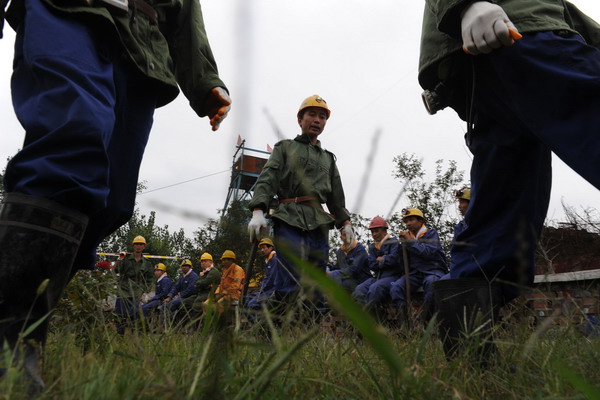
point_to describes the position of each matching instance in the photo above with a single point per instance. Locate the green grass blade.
(361, 320)
(588, 390)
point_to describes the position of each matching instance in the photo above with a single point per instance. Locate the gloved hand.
(349, 238)
(485, 27)
(217, 105)
(257, 222)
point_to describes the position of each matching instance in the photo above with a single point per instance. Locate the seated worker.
(232, 282)
(426, 259)
(184, 288)
(208, 281)
(464, 199)
(267, 284)
(164, 284)
(384, 263)
(352, 264)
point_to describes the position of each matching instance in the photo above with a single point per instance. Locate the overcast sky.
(360, 56)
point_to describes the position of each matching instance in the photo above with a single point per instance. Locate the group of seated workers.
(376, 277)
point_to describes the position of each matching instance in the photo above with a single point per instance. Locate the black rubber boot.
(467, 309)
(39, 239)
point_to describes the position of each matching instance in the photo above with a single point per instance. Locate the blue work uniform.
(185, 287)
(375, 291)
(535, 97)
(164, 285)
(268, 284)
(351, 268)
(86, 81)
(427, 264)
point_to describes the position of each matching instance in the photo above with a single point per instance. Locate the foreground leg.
(30, 287)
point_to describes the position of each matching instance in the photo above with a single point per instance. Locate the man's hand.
(217, 105)
(485, 27)
(257, 222)
(349, 239)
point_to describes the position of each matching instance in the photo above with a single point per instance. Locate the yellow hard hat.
(409, 212)
(228, 254)
(464, 194)
(161, 267)
(206, 256)
(186, 262)
(139, 239)
(314, 101)
(266, 241)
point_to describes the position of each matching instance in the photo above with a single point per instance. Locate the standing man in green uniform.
(303, 176)
(136, 277)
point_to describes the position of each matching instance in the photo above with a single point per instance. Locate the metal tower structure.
(245, 171)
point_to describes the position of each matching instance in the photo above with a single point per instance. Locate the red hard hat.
(104, 265)
(378, 222)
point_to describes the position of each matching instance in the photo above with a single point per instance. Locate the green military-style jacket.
(176, 52)
(205, 285)
(296, 168)
(135, 277)
(441, 57)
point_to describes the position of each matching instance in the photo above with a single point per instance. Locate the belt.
(144, 8)
(300, 200)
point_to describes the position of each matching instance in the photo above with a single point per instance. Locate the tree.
(433, 198)
(230, 232)
(2, 179)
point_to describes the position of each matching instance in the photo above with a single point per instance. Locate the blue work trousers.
(87, 115)
(309, 246)
(417, 279)
(540, 95)
(374, 292)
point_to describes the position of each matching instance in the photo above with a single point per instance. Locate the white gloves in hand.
(485, 27)
(257, 222)
(349, 239)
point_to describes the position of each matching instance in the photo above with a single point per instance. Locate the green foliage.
(434, 198)
(85, 309)
(2, 179)
(230, 232)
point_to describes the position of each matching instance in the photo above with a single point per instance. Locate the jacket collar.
(303, 138)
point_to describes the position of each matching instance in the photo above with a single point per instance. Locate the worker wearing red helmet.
(384, 263)
(303, 176)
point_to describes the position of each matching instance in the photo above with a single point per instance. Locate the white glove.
(257, 222)
(349, 234)
(485, 27)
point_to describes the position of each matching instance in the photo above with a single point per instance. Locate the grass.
(86, 359)
(307, 362)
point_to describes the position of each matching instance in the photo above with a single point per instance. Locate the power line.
(189, 180)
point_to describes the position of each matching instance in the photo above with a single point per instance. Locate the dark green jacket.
(176, 51)
(135, 277)
(297, 168)
(441, 56)
(207, 284)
